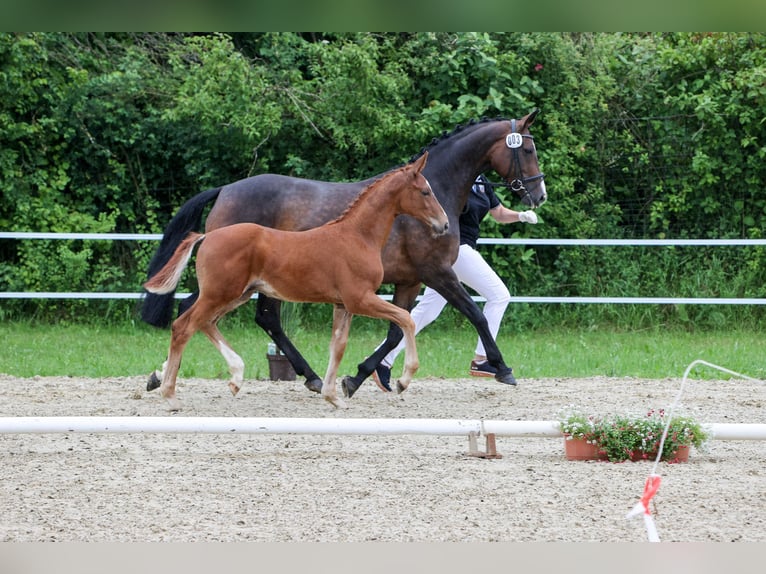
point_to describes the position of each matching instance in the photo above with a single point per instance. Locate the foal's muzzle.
(440, 228)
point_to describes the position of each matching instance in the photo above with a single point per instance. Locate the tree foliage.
(641, 135)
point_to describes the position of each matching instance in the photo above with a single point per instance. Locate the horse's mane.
(458, 129)
(434, 142)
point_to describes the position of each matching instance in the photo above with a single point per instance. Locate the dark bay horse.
(411, 256)
(338, 262)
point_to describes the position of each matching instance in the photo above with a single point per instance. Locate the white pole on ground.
(256, 425)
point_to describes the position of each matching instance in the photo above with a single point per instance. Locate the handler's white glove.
(527, 217)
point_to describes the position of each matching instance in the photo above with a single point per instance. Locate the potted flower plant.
(581, 434)
(624, 437)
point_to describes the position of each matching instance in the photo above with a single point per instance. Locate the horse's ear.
(530, 119)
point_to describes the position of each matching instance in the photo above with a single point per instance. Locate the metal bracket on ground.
(473, 449)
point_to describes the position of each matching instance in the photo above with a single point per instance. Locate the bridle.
(518, 185)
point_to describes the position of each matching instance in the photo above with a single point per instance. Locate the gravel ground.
(285, 488)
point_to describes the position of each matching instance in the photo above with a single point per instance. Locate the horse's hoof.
(400, 388)
(314, 385)
(153, 382)
(234, 389)
(349, 386)
(506, 377)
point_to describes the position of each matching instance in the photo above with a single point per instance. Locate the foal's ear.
(420, 163)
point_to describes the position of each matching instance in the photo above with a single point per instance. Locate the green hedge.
(641, 136)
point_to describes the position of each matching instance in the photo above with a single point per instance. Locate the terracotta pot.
(681, 455)
(579, 449)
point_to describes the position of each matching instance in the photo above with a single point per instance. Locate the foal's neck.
(374, 211)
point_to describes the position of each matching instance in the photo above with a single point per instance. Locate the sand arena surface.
(186, 487)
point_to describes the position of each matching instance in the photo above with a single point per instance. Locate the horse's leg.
(404, 297)
(235, 362)
(267, 317)
(374, 306)
(155, 379)
(448, 286)
(341, 323)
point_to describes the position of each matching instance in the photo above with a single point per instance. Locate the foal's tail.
(157, 310)
(167, 278)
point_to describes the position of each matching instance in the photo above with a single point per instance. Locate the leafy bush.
(641, 135)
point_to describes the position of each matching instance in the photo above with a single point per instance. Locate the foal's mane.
(365, 192)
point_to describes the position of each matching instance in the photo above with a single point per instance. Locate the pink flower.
(538, 67)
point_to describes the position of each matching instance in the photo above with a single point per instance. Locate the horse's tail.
(167, 278)
(157, 310)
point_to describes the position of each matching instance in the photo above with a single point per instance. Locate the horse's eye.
(424, 192)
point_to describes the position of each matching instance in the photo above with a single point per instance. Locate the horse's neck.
(453, 168)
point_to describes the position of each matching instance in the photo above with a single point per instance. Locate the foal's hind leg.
(235, 362)
(155, 378)
(341, 323)
(182, 331)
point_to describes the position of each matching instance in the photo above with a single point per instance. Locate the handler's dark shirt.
(481, 199)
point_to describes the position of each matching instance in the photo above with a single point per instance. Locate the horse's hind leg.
(235, 362)
(341, 323)
(267, 318)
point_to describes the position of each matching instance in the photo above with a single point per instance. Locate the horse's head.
(420, 201)
(515, 159)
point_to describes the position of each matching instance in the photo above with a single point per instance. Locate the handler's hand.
(527, 217)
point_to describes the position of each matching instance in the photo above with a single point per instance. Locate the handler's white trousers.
(472, 270)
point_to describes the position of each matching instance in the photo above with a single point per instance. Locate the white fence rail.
(482, 241)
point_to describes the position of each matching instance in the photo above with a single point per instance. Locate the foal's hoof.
(337, 402)
(349, 386)
(314, 385)
(153, 382)
(174, 405)
(506, 377)
(400, 388)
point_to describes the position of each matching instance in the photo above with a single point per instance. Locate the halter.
(514, 141)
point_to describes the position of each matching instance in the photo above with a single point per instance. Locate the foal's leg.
(404, 297)
(182, 331)
(155, 379)
(374, 306)
(341, 323)
(235, 362)
(411, 362)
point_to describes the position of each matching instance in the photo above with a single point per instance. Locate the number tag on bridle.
(513, 140)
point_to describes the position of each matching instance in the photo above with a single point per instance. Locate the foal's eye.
(424, 192)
